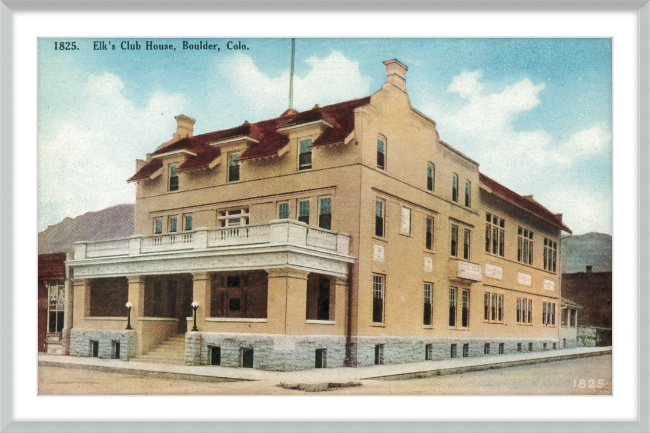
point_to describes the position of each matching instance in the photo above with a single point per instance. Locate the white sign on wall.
(493, 271)
(428, 264)
(524, 279)
(471, 271)
(378, 253)
(549, 285)
(405, 224)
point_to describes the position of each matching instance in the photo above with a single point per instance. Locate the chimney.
(589, 268)
(184, 126)
(396, 73)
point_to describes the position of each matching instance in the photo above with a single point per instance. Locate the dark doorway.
(320, 358)
(323, 311)
(247, 358)
(116, 350)
(94, 348)
(215, 355)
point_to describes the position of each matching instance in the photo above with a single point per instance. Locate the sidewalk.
(318, 376)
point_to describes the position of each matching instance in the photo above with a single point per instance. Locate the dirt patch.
(318, 387)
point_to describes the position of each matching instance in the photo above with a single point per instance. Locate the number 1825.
(588, 383)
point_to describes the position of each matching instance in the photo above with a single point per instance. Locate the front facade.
(345, 235)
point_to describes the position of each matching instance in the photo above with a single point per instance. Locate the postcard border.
(7, 7)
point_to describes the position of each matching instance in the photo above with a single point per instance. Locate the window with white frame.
(304, 155)
(467, 243)
(380, 217)
(303, 210)
(173, 177)
(325, 212)
(233, 167)
(157, 225)
(524, 310)
(493, 307)
(454, 240)
(283, 210)
(381, 153)
(378, 294)
(453, 294)
(56, 306)
(173, 224)
(468, 193)
(464, 308)
(525, 246)
(454, 187)
(428, 304)
(428, 239)
(405, 221)
(431, 176)
(550, 255)
(187, 222)
(233, 217)
(494, 234)
(548, 313)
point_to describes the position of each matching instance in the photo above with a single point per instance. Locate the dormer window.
(173, 177)
(381, 153)
(304, 156)
(233, 167)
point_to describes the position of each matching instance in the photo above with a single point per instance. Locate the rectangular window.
(321, 358)
(525, 246)
(486, 349)
(530, 347)
(381, 153)
(187, 222)
(465, 350)
(173, 224)
(467, 242)
(304, 157)
(215, 355)
(283, 210)
(56, 306)
(247, 357)
(494, 234)
(518, 347)
(494, 307)
(94, 348)
(468, 193)
(303, 211)
(454, 350)
(173, 177)
(379, 354)
(233, 167)
(544, 318)
(502, 348)
(233, 218)
(550, 255)
(524, 310)
(378, 298)
(157, 225)
(428, 243)
(454, 187)
(428, 352)
(380, 210)
(431, 177)
(405, 222)
(325, 213)
(464, 322)
(428, 304)
(452, 307)
(454, 241)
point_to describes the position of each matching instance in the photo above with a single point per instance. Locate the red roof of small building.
(526, 203)
(268, 140)
(51, 266)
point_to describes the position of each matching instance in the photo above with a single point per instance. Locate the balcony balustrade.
(278, 232)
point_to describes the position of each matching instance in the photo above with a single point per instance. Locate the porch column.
(68, 313)
(201, 285)
(81, 302)
(136, 298)
(296, 301)
(340, 287)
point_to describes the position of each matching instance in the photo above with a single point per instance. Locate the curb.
(471, 368)
(142, 373)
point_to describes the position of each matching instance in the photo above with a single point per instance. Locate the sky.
(535, 113)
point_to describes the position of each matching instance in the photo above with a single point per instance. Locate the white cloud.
(466, 84)
(330, 80)
(85, 162)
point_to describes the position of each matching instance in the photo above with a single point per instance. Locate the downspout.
(348, 336)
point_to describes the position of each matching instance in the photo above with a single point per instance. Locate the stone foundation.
(270, 352)
(80, 343)
(289, 353)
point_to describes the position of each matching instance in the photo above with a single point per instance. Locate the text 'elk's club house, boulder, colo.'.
(344, 235)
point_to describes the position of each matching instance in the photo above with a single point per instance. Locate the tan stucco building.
(348, 234)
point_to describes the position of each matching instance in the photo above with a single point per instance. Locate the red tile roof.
(51, 266)
(269, 140)
(526, 203)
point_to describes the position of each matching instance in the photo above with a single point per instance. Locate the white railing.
(321, 239)
(179, 241)
(108, 248)
(239, 236)
(277, 233)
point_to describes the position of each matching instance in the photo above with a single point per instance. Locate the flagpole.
(293, 53)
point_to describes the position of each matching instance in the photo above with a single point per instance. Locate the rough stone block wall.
(80, 343)
(586, 337)
(270, 352)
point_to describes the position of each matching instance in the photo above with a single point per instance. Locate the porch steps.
(171, 351)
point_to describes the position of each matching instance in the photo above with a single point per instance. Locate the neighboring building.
(348, 234)
(54, 314)
(569, 323)
(593, 291)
